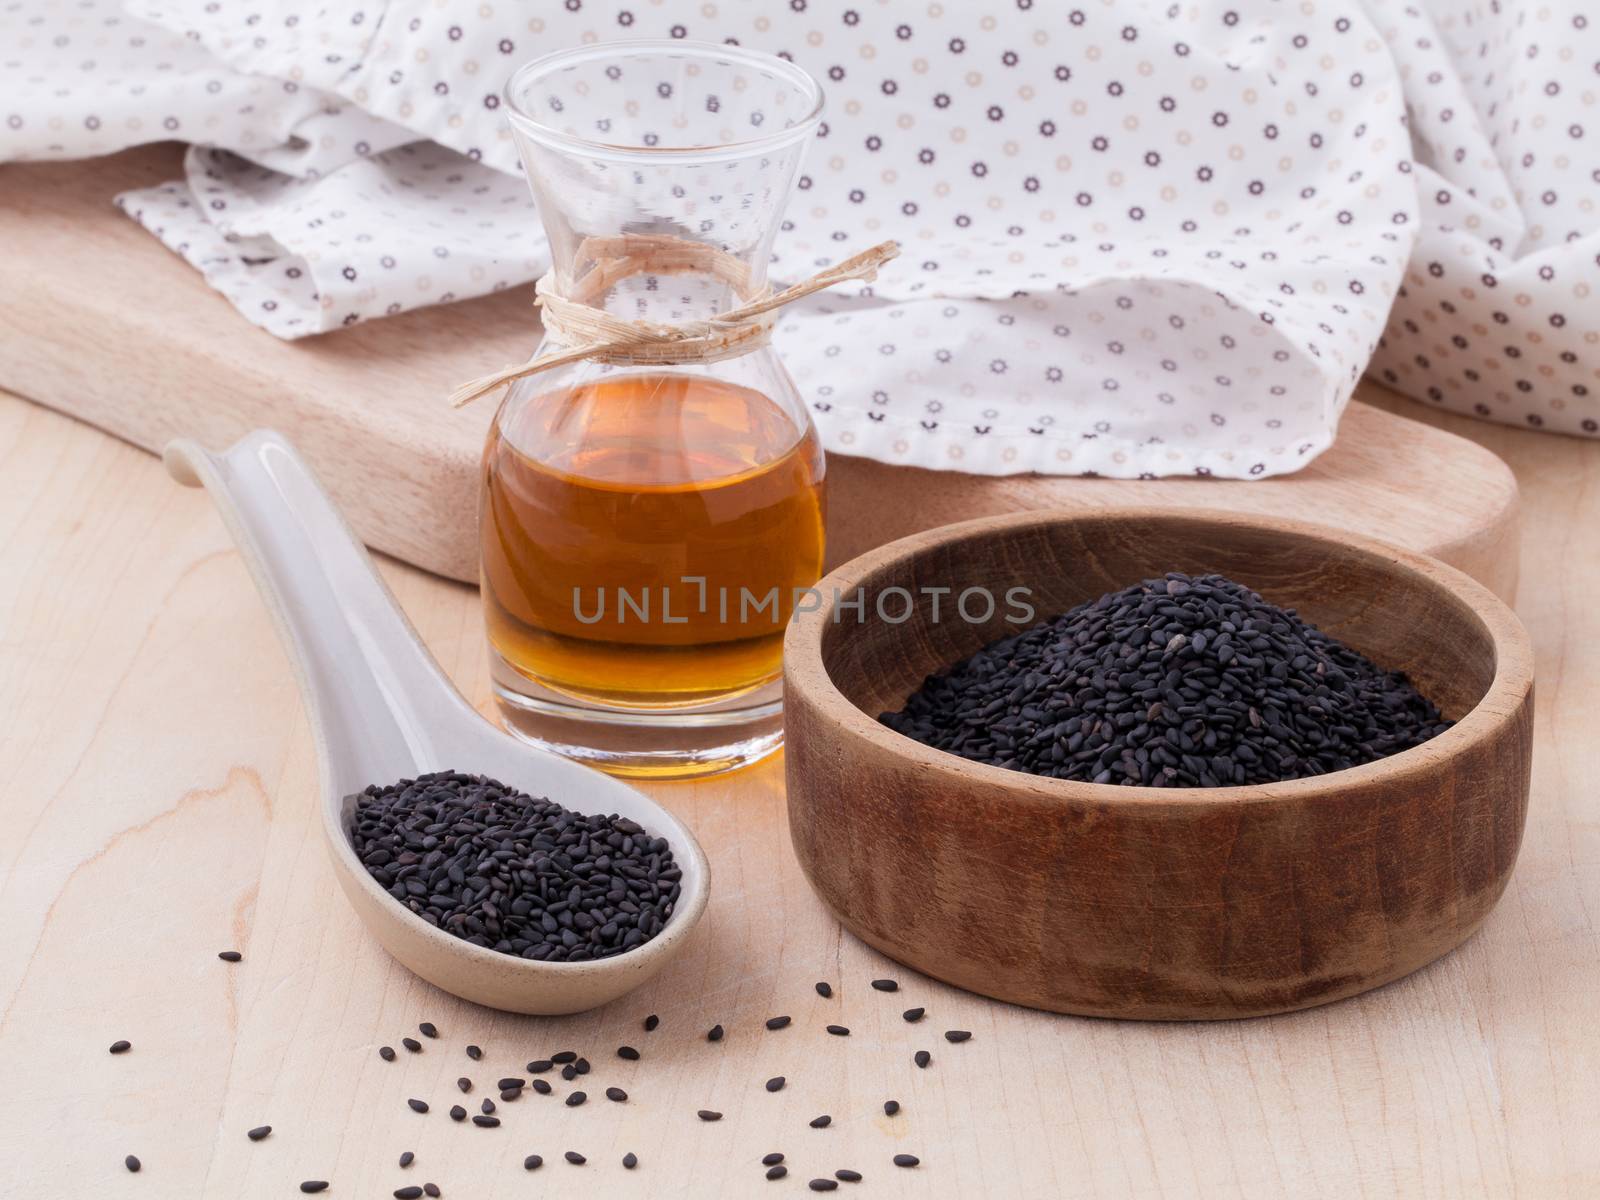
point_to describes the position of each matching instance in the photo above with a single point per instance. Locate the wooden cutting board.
(99, 320)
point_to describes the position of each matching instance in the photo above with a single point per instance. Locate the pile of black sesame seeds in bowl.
(513, 873)
(572, 1068)
(1184, 681)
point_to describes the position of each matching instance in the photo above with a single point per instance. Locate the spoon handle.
(378, 703)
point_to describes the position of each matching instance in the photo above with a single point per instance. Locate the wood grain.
(159, 795)
(1142, 902)
(97, 319)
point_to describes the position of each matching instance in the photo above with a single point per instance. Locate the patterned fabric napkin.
(1140, 238)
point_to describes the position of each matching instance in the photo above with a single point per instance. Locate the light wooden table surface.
(158, 789)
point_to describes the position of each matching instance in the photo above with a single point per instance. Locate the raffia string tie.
(580, 330)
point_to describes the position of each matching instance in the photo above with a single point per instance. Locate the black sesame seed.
(532, 1163)
(428, 1029)
(823, 1185)
(913, 1014)
(630, 1160)
(825, 990)
(839, 1030)
(509, 1083)
(576, 1159)
(121, 1047)
(132, 1163)
(845, 1175)
(407, 1159)
(564, 1056)
(628, 1052)
(431, 1190)
(509, 1094)
(576, 1099)
(886, 985)
(542, 1086)
(411, 1044)
(714, 1034)
(773, 1159)
(312, 1186)
(1174, 682)
(651, 1022)
(386, 1053)
(777, 1171)
(487, 863)
(486, 1122)
(474, 1053)
(775, 1084)
(569, 1072)
(457, 1113)
(231, 956)
(420, 1106)
(821, 1122)
(957, 1035)
(539, 1066)
(922, 1058)
(464, 1084)
(486, 1107)
(617, 1094)
(906, 1160)
(410, 1192)
(581, 1066)
(890, 1107)
(706, 1114)
(259, 1132)
(777, 1022)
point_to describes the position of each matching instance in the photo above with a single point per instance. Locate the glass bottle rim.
(532, 127)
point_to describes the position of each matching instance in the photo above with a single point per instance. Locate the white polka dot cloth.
(1139, 238)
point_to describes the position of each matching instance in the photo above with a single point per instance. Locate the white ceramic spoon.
(382, 710)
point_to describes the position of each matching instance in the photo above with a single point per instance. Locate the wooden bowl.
(1145, 902)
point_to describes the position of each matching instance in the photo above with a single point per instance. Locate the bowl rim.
(806, 673)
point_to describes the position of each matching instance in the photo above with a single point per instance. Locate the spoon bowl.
(381, 710)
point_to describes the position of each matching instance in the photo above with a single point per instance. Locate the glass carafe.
(646, 530)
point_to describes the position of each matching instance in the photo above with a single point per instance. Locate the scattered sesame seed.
(576, 1159)
(486, 1122)
(777, 1171)
(714, 1034)
(957, 1035)
(420, 1106)
(913, 1014)
(628, 1052)
(630, 1160)
(922, 1058)
(231, 956)
(890, 1107)
(121, 1047)
(576, 1099)
(706, 1114)
(532, 1163)
(777, 1022)
(839, 1030)
(651, 1022)
(845, 1175)
(775, 1084)
(259, 1132)
(411, 1044)
(821, 1122)
(773, 1159)
(617, 1094)
(474, 1052)
(132, 1163)
(825, 990)
(906, 1160)
(886, 985)
(386, 1053)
